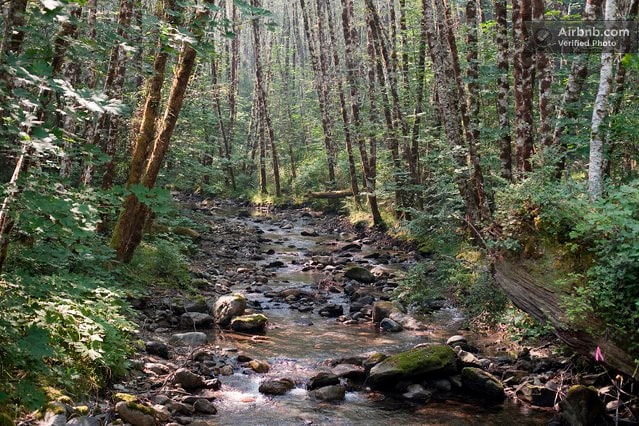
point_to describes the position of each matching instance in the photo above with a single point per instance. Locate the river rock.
(187, 379)
(259, 366)
(322, 379)
(157, 348)
(349, 371)
(329, 393)
(391, 326)
(309, 233)
(468, 360)
(351, 247)
(415, 364)
(136, 413)
(249, 323)
(360, 274)
(204, 406)
(383, 309)
(194, 338)
(582, 406)
(331, 310)
(416, 392)
(456, 340)
(179, 306)
(408, 322)
(196, 319)
(541, 396)
(276, 387)
(482, 384)
(84, 421)
(227, 307)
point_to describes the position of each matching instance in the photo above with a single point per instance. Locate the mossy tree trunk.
(128, 230)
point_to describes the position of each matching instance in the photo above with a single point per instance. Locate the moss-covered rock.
(227, 307)
(360, 274)
(415, 365)
(126, 397)
(136, 413)
(582, 406)
(482, 384)
(249, 323)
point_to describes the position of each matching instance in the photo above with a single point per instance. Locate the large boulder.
(360, 274)
(482, 384)
(227, 307)
(582, 406)
(415, 365)
(253, 323)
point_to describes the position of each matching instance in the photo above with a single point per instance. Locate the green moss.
(138, 406)
(426, 359)
(126, 397)
(56, 407)
(82, 410)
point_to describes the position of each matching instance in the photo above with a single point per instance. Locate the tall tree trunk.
(450, 104)
(350, 43)
(348, 136)
(524, 81)
(505, 149)
(600, 107)
(128, 230)
(260, 86)
(369, 162)
(319, 69)
(545, 77)
(569, 103)
(397, 125)
(226, 142)
(106, 131)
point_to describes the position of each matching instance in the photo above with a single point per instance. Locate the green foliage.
(420, 286)
(522, 326)
(161, 263)
(62, 332)
(610, 231)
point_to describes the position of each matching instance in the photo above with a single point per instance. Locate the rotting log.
(343, 193)
(546, 305)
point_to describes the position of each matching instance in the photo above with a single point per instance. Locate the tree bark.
(595, 165)
(263, 103)
(545, 76)
(321, 87)
(128, 230)
(574, 85)
(523, 71)
(348, 136)
(505, 148)
(546, 305)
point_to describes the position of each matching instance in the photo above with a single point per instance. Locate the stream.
(299, 342)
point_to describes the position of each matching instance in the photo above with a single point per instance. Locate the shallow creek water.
(298, 343)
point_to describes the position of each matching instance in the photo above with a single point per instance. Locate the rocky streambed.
(292, 323)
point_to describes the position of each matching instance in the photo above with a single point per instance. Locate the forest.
(506, 163)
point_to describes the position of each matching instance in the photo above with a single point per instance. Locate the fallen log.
(342, 193)
(546, 305)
